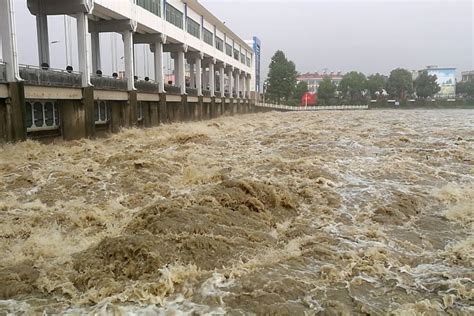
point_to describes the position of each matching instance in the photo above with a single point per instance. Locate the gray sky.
(365, 35)
(368, 36)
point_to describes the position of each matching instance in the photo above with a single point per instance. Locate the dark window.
(208, 37)
(219, 44)
(49, 113)
(174, 16)
(242, 58)
(228, 49)
(38, 114)
(194, 28)
(151, 5)
(249, 62)
(103, 112)
(29, 115)
(236, 54)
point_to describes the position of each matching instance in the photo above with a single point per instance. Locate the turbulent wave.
(265, 214)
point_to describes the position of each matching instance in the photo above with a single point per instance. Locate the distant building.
(314, 79)
(256, 44)
(468, 76)
(446, 80)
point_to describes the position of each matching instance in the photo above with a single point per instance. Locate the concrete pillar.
(128, 59)
(237, 83)
(199, 76)
(212, 79)
(43, 39)
(84, 48)
(182, 71)
(231, 80)
(192, 79)
(222, 80)
(244, 86)
(8, 39)
(159, 73)
(176, 70)
(95, 47)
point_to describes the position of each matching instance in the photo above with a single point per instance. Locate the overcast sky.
(368, 36)
(338, 35)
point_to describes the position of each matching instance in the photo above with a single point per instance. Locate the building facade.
(314, 79)
(467, 76)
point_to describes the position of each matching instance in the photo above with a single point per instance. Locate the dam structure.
(213, 74)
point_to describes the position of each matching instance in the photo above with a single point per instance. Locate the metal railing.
(172, 89)
(3, 72)
(109, 83)
(146, 86)
(192, 92)
(206, 93)
(313, 108)
(49, 77)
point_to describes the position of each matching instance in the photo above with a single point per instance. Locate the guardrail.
(146, 86)
(314, 108)
(106, 82)
(49, 77)
(3, 72)
(192, 92)
(173, 89)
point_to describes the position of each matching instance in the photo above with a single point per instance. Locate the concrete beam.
(52, 93)
(175, 48)
(110, 95)
(112, 26)
(149, 38)
(57, 7)
(3, 91)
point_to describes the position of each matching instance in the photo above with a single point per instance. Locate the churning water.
(266, 214)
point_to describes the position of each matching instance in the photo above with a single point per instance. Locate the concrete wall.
(77, 113)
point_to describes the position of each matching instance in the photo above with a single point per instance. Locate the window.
(194, 28)
(42, 115)
(208, 37)
(174, 16)
(249, 62)
(228, 49)
(102, 112)
(151, 5)
(242, 58)
(236, 54)
(219, 44)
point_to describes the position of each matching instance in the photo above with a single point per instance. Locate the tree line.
(282, 85)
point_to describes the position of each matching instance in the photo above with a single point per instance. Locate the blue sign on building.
(257, 50)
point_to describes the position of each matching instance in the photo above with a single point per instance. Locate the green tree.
(300, 90)
(426, 85)
(400, 83)
(281, 78)
(376, 85)
(326, 90)
(465, 88)
(353, 84)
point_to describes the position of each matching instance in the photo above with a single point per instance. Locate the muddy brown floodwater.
(332, 213)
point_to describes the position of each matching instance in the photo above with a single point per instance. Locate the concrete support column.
(192, 79)
(212, 79)
(159, 73)
(84, 48)
(182, 71)
(231, 81)
(95, 47)
(244, 86)
(237, 83)
(43, 39)
(8, 39)
(176, 70)
(128, 59)
(199, 76)
(222, 80)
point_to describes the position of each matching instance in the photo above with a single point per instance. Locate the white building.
(216, 58)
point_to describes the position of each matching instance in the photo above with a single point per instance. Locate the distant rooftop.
(320, 75)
